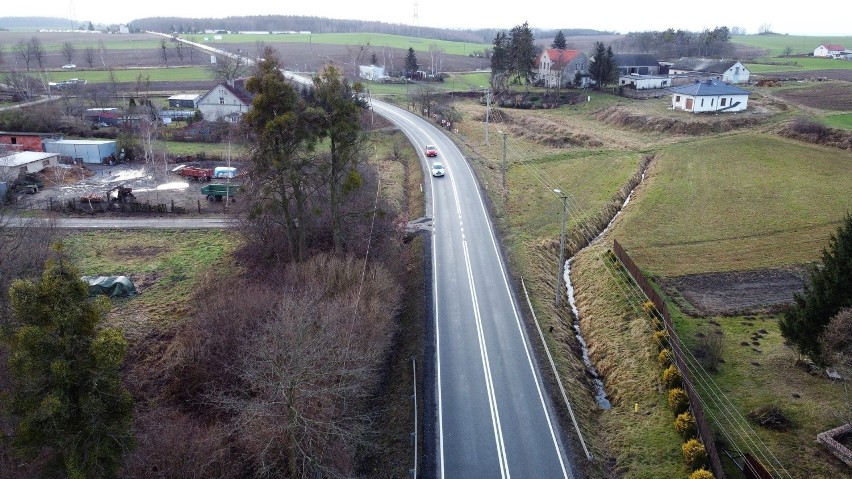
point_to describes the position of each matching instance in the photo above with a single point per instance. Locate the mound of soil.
(821, 136)
(686, 124)
(742, 292)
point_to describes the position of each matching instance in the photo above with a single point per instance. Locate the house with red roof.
(557, 67)
(828, 50)
(225, 101)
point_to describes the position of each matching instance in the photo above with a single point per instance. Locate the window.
(45, 162)
(712, 101)
(14, 141)
(677, 99)
(722, 101)
(221, 100)
(702, 102)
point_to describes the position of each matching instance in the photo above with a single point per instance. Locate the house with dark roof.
(557, 67)
(226, 102)
(728, 71)
(639, 63)
(709, 96)
(828, 50)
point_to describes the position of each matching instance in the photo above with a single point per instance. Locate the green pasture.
(842, 121)
(376, 40)
(775, 44)
(222, 150)
(133, 74)
(736, 203)
(792, 64)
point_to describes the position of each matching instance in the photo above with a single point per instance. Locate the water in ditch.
(597, 382)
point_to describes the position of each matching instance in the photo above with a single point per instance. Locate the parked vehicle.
(217, 191)
(200, 174)
(224, 172)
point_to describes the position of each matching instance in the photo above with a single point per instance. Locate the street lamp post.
(561, 266)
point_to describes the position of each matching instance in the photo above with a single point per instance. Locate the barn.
(24, 162)
(87, 151)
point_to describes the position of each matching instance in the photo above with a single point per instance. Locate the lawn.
(775, 44)
(766, 65)
(356, 39)
(221, 150)
(737, 203)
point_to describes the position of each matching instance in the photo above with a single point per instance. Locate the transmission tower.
(416, 20)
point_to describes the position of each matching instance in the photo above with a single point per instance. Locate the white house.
(21, 163)
(645, 82)
(828, 50)
(225, 102)
(371, 72)
(558, 67)
(709, 96)
(728, 71)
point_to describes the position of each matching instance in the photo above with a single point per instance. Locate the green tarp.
(111, 286)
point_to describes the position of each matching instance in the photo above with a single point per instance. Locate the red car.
(431, 150)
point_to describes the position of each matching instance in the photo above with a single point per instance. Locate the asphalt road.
(493, 416)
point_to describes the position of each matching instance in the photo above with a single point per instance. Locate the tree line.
(671, 43)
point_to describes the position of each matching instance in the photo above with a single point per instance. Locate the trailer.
(200, 174)
(217, 191)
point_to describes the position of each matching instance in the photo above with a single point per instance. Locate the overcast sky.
(823, 18)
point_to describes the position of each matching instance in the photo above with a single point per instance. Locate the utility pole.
(487, 113)
(505, 191)
(561, 268)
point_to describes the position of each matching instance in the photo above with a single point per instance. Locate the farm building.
(225, 102)
(87, 151)
(21, 163)
(371, 72)
(828, 50)
(23, 141)
(641, 63)
(709, 96)
(558, 67)
(184, 101)
(728, 71)
(644, 82)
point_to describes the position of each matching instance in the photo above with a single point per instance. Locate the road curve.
(494, 417)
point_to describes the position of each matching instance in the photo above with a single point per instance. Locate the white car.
(437, 169)
(69, 66)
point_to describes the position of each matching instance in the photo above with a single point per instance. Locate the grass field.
(843, 121)
(797, 65)
(221, 150)
(377, 40)
(164, 265)
(133, 74)
(775, 44)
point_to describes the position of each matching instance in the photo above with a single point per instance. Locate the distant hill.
(327, 25)
(38, 22)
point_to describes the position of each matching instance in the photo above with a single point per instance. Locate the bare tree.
(192, 51)
(24, 52)
(180, 49)
(2, 51)
(89, 56)
(102, 51)
(24, 243)
(436, 56)
(165, 52)
(68, 51)
(37, 51)
(229, 68)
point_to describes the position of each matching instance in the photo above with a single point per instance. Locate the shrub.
(710, 351)
(685, 425)
(678, 400)
(671, 377)
(694, 454)
(662, 339)
(665, 358)
(702, 474)
(649, 309)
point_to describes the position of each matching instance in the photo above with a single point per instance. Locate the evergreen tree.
(374, 60)
(411, 65)
(603, 69)
(500, 62)
(67, 391)
(559, 41)
(827, 291)
(522, 53)
(91, 27)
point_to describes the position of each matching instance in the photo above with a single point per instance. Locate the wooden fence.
(704, 431)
